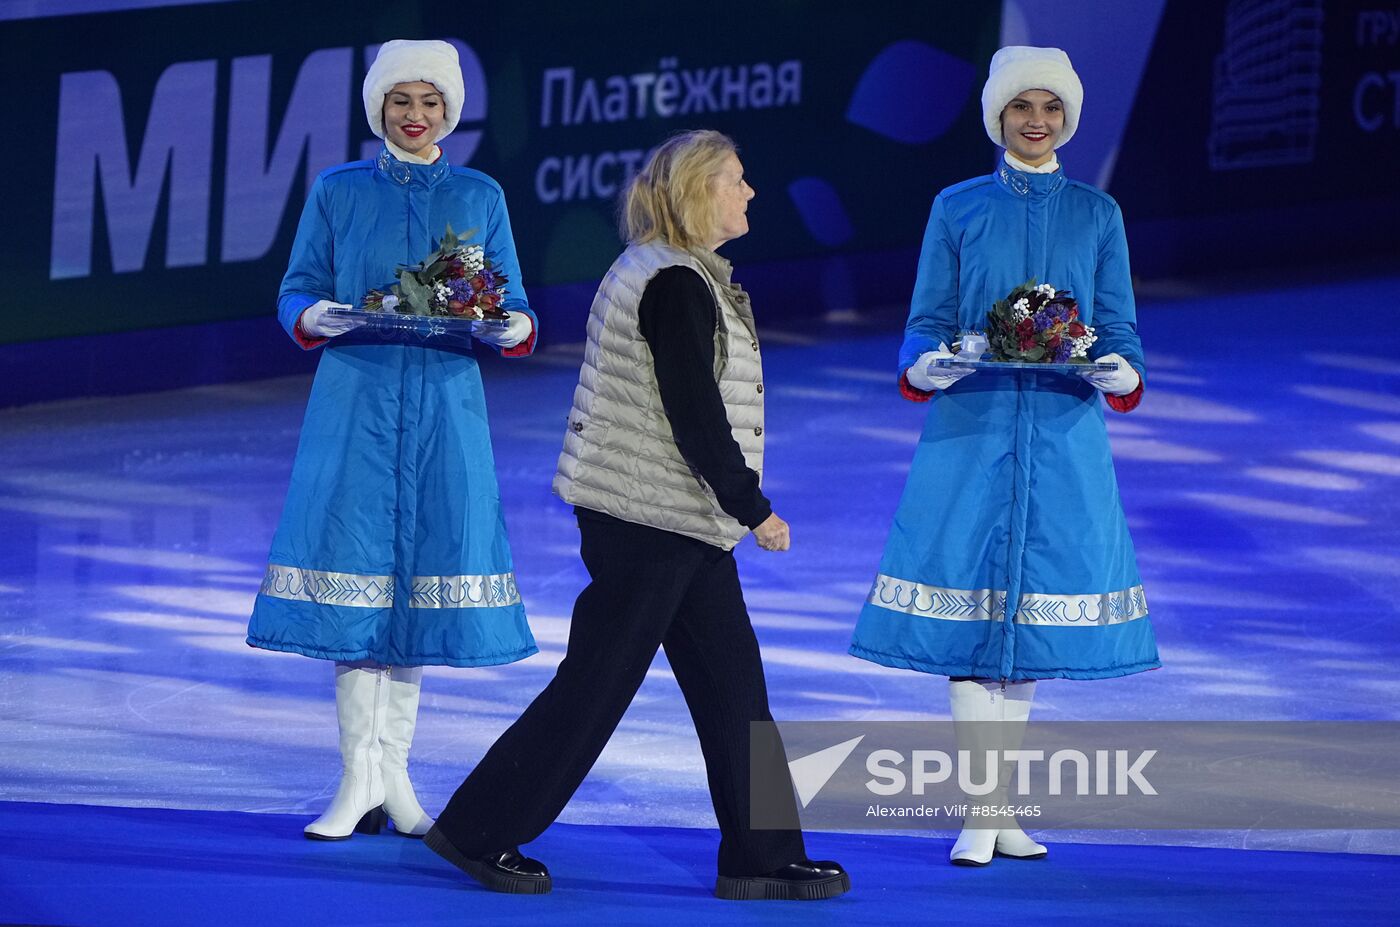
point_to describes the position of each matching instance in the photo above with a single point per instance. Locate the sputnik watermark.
(931, 767)
(1159, 775)
(955, 812)
(813, 771)
(1109, 772)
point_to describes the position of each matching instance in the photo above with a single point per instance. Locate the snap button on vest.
(578, 426)
(760, 387)
(758, 431)
(754, 345)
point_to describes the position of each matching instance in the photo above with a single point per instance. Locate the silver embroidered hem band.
(355, 590)
(927, 601)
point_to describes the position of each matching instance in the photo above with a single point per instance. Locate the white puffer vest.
(619, 455)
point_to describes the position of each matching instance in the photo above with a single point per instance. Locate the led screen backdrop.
(1264, 135)
(159, 178)
(160, 154)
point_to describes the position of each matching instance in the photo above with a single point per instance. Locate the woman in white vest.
(662, 461)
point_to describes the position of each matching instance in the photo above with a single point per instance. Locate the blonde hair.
(670, 198)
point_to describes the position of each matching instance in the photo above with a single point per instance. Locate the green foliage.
(415, 296)
(416, 289)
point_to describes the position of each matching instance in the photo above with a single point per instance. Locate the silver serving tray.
(427, 326)
(956, 361)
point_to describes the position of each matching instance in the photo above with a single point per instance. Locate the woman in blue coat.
(392, 552)
(1009, 559)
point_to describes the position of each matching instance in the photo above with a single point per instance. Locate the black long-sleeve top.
(677, 319)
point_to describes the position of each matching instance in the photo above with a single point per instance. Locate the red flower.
(1077, 330)
(456, 307)
(1025, 329)
(488, 300)
(1053, 342)
(455, 271)
(478, 282)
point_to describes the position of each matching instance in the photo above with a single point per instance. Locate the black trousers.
(649, 588)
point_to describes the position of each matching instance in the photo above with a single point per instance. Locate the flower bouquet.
(456, 288)
(1036, 324)
(1036, 327)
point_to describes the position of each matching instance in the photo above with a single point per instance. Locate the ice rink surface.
(1260, 476)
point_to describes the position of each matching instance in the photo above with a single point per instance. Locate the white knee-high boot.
(396, 737)
(360, 699)
(975, 705)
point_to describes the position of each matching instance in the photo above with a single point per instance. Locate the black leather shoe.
(807, 880)
(505, 871)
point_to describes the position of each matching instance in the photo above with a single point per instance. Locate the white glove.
(518, 328)
(1118, 382)
(925, 376)
(317, 324)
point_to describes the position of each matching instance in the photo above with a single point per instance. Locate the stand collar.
(403, 173)
(1028, 186)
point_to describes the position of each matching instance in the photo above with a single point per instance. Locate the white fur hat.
(403, 61)
(1018, 68)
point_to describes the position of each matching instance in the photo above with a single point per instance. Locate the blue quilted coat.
(392, 546)
(1009, 557)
